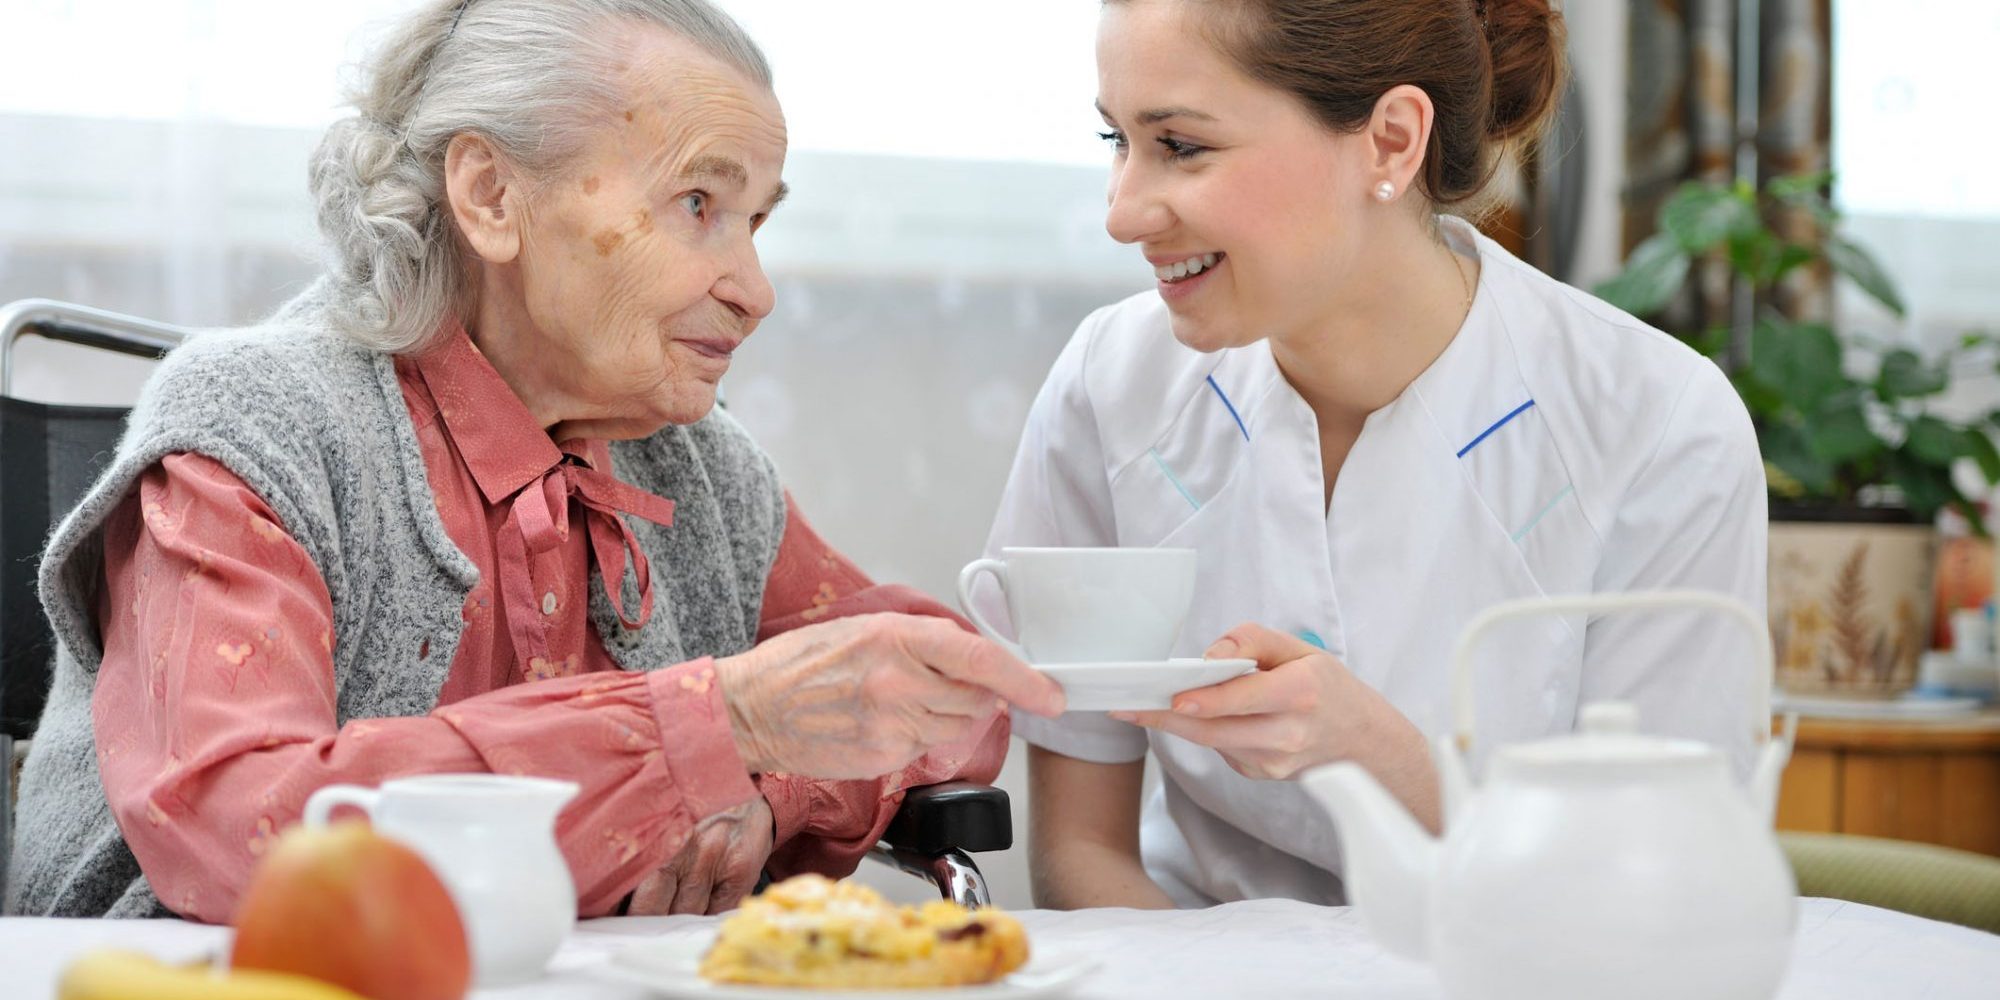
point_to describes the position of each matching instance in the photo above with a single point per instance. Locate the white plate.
(1137, 687)
(668, 966)
(1880, 708)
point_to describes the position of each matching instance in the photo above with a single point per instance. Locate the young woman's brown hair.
(1493, 69)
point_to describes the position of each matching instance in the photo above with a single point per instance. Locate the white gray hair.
(533, 77)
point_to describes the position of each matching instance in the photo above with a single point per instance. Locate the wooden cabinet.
(1932, 781)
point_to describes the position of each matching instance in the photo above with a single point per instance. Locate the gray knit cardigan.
(318, 427)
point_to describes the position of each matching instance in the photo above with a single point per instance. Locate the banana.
(109, 974)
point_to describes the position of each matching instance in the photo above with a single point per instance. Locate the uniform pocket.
(1179, 478)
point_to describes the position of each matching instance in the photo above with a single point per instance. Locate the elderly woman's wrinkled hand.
(717, 867)
(861, 697)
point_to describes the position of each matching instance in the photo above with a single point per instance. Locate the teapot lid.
(1608, 735)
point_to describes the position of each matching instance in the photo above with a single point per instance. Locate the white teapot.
(1598, 864)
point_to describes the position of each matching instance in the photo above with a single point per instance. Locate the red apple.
(346, 905)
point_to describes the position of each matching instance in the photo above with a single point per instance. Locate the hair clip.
(459, 15)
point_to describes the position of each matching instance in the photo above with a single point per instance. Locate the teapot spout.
(1388, 859)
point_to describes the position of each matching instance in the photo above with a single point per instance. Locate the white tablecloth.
(1264, 949)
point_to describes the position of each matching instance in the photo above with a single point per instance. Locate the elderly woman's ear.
(486, 194)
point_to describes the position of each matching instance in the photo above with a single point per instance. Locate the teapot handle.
(1646, 600)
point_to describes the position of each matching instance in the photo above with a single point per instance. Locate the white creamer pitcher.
(491, 839)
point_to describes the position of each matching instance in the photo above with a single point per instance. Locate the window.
(1913, 133)
(1917, 161)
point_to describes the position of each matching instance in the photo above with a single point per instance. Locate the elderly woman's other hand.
(861, 697)
(716, 869)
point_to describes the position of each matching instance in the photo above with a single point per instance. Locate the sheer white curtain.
(156, 153)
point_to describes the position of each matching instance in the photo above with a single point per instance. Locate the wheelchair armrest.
(954, 815)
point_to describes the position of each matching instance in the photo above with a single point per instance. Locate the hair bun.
(374, 211)
(1526, 39)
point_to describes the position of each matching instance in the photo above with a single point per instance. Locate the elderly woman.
(467, 505)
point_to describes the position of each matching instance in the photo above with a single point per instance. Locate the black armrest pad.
(956, 814)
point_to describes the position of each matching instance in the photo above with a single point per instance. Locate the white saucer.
(1906, 707)
(1140, 686)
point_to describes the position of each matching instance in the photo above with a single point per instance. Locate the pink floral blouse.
(215, 710)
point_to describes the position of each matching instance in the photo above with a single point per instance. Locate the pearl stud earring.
(1385, 191)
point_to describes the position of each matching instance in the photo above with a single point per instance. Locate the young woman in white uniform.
(1371, 422)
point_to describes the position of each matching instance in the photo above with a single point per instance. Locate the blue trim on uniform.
(1312, 638)
(1502, 422)
(1169, 473)
(1537, 519)
(1232, 407)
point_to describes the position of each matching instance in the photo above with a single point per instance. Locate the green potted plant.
(1858, 461)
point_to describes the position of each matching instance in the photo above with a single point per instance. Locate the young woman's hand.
(1302, 708)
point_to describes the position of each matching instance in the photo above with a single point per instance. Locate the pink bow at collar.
(538, 521)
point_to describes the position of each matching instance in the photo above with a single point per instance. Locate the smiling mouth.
(721, 350)
(1182, 270)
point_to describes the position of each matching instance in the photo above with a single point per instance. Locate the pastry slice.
(810, 931)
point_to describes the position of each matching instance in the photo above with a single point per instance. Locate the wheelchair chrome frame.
(85, 327)
(956, 877)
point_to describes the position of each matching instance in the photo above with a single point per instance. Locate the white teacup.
(491, 839)
(1088, 605)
